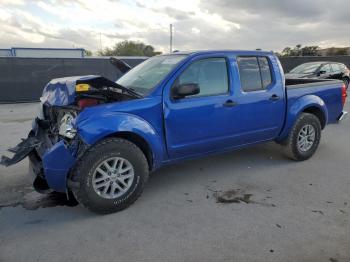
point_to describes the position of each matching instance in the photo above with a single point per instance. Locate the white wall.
(57, 53)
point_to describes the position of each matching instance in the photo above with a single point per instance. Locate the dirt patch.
(233, 196)
(34, 222)
(317, 212)
(34, 200)
(238, 195)
(17, 120)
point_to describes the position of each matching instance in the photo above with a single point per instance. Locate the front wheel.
(304, 138)
(111, 175)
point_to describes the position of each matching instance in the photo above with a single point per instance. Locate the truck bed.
(328, 90)
(305, 82)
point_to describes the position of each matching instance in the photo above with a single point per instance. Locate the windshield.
(145, 76)
(307, 68)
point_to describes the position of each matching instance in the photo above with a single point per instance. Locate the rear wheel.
(111, 175)
(304, 138)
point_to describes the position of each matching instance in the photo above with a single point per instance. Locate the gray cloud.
(175, 13)
(274, 24)
(267, 24)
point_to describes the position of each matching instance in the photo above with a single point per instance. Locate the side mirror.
(322, 72)
(186, 89)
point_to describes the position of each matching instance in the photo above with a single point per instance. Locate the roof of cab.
(208, 52)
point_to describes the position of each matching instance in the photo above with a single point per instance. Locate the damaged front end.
(51, 156)
(54, 145)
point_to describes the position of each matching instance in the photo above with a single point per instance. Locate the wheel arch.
(306, 104)
(130, 127)
(140, 142)
(318, 113)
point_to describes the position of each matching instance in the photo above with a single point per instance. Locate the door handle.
(274, 97)
(230, 103)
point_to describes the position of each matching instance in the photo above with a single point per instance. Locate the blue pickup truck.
(97, 140)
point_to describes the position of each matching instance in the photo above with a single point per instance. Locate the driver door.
(199, 123)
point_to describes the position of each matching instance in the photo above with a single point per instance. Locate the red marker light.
(343, 94)
(86, 102)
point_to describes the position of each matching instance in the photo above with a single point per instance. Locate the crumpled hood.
(61, 91)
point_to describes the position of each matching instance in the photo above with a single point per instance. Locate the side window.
(249, 73)
(336, 68)
(265, 72)
(326, 68)
(210, 74)
(255, 73)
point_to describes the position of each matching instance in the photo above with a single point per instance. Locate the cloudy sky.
(198, 24)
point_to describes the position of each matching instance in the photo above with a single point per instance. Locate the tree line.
(298, 50)
(127, 48)
(136, 48)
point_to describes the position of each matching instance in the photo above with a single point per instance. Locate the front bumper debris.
(20, 151)
(50, 163)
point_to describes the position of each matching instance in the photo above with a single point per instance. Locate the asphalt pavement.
(281, 210)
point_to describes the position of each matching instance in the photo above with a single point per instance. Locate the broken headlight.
(66, 127)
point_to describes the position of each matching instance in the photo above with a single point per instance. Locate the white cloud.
(12, 2)
(195, 30)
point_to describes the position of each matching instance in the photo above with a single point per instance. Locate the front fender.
(296, 108)
(96, 127)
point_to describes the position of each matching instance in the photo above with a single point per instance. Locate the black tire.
(84, 171)
(346, 82)
(290, 145)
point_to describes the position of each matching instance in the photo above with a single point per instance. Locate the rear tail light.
(343, 94)
(85, 102)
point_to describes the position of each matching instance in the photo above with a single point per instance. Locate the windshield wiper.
(133, 92)
(130, 91)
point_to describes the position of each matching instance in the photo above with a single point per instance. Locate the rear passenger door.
(261, 99)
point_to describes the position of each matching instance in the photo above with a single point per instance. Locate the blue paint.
(191, 127)
(57, 161)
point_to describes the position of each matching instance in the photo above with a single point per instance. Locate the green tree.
(341, 51)
(337, 51)
(129, 48)
(287, 51)
(310, 50)
(88, 53)
(298, 50)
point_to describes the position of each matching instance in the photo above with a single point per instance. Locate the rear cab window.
(255, 73)
(265, 71)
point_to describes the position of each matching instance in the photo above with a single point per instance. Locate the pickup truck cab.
(98, 140)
